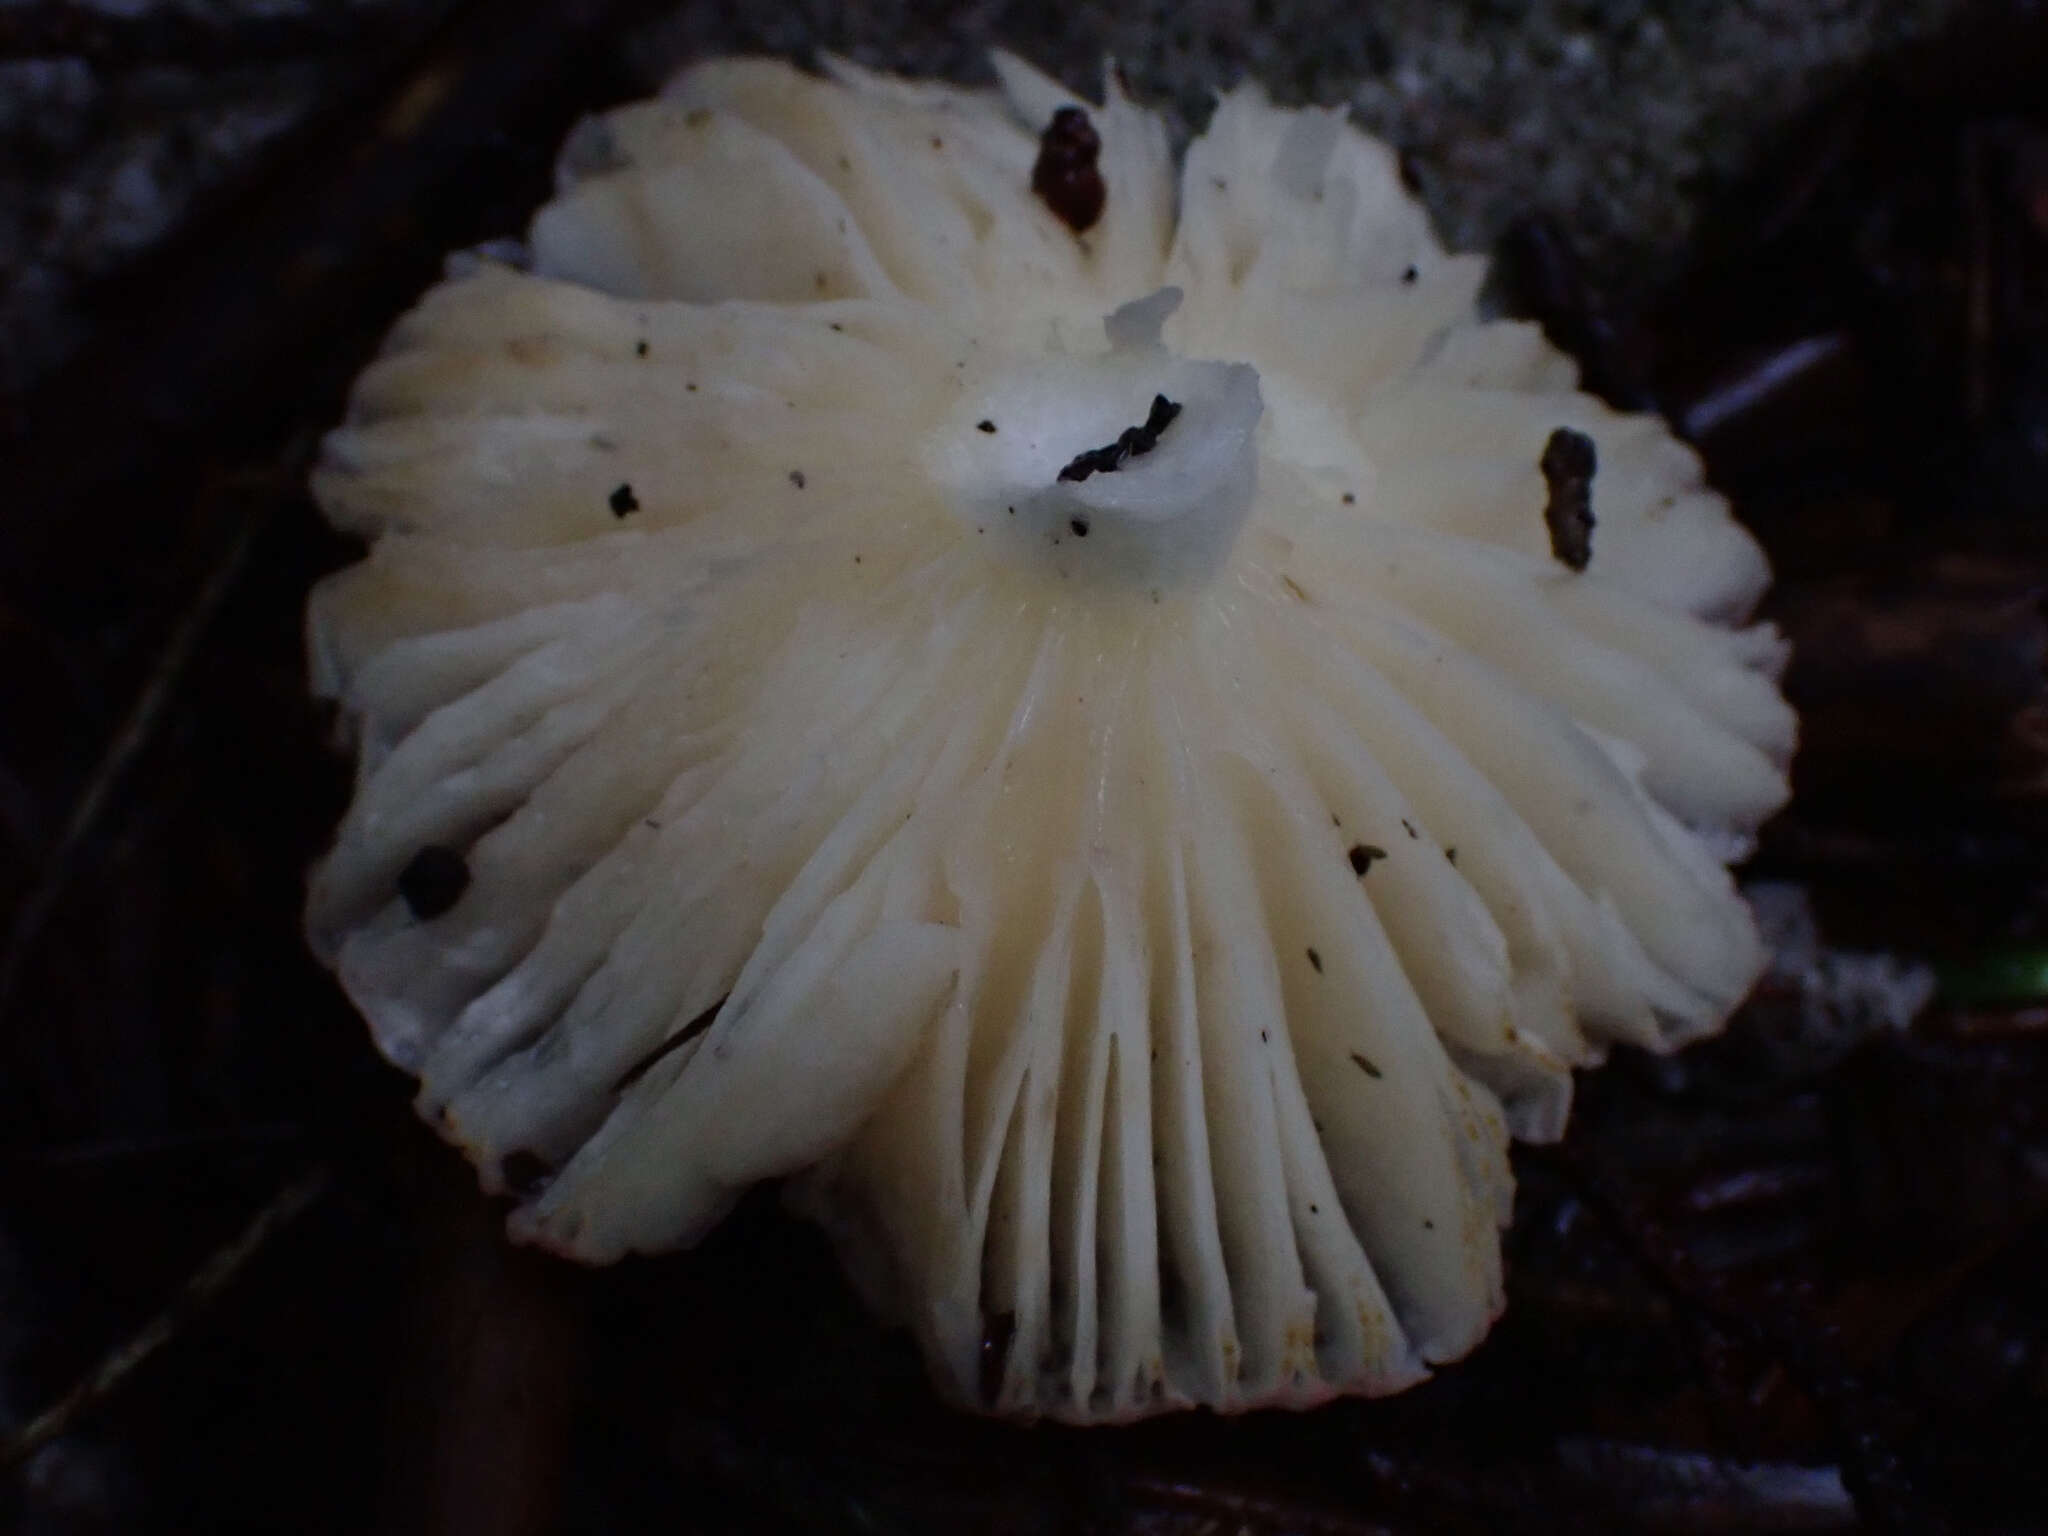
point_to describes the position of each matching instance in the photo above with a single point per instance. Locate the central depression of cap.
(1021, 458)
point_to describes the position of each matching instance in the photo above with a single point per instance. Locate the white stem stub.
(1131, 467)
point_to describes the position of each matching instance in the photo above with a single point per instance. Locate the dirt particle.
(622, 501)
(433, 881)
(1131, 443)
(1362, 856)
(1568, 464)
(1066, 177)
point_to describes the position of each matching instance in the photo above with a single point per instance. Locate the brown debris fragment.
(433, 881)
(1066, 177)
(1568, 463)
(1131, 443)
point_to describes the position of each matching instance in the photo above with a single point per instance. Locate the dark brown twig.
(138, 727)
(206, 1283)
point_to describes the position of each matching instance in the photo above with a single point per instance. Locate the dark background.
(1794, 1280)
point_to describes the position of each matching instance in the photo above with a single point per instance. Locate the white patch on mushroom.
(1080, 754)
(1167, 516)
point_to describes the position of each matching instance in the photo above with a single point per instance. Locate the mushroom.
(908, 650)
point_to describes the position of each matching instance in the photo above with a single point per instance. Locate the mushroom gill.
(1067, 737)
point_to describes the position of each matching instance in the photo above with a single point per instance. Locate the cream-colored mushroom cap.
(1075, 745)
